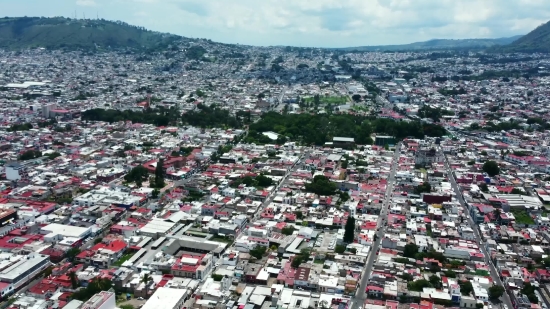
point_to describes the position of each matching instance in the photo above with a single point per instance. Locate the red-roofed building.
(103, 254)
(196, 266)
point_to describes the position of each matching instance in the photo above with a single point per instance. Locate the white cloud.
(86, 3)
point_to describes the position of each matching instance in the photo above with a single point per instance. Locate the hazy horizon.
(321, 23)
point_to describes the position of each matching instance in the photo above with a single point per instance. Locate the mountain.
(66, 33)
(438, 44)
(537, 40)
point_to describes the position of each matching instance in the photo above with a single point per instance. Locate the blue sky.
(320, 23)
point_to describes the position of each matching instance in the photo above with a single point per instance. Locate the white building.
(101, 300)
(167, 298)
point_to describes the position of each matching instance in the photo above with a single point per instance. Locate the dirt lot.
(134, 302)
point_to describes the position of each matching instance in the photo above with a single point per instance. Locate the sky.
(307, 23)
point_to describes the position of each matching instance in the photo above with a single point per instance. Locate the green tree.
(344, 164)
(349, 234)
(435, 281)
(146, 279)
(466, 287)
(410, 250)
(264, 181)
(495, 292)
(288, 230)
(423, 188)
(321, 185)
(95, 286)
(258, 252)
(419, 285)
(137, 174)
(529, 290)
(30, 154)
(299, 215)
(74, 279)
(483, 187)
(155, 193)
(72, 253)
(159, 174)
(491, 168)
(340, 249)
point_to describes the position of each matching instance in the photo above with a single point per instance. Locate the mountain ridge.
(538, 40)
(67, 33)
(438, 44)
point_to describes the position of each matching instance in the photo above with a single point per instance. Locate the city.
(209, 175)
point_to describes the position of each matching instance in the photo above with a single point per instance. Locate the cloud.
(86, 3)
(323, 23)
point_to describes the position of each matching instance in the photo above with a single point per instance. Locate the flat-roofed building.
(167, 298)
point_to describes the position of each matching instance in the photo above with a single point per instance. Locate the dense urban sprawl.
(221, 176)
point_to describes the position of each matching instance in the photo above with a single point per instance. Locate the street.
(359, 299)
(494, 274)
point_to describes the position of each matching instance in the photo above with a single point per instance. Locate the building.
(101, 300)
(428, 156)
(55, 232)
(167, 298)
(17, 270)
(196, 266)
(343, 142)
(383, 140)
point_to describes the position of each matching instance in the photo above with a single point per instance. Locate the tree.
(495, 292)
(419, 285)
(407, 277)
(321, 185)
(491, 168)
(258, 252)
(425, 187)
(72, 253)
(517, 191)
(217, 277)
(529, 290)
(299, 215)
(288, 230)
(74, 279)
(466, 287)
(30, 154)
(264, 181)
(483, 187)
(98, 240)
(356, 97)
(146, 279)
(349, 234)
(95, 286)
(340, 249)
(410, 250)
(344, 164)
(435, 281)
(137, 174)
(159, 174)
(53, 155)
(155, 193)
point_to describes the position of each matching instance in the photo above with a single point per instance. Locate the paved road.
(272, 194)
(360, 295)
(494, 274)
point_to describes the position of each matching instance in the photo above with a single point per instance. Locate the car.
(140, 298)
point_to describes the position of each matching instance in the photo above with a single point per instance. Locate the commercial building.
(17, 270)
(101, 300)
(167, 298)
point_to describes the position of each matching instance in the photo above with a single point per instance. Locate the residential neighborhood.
(281, 178)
